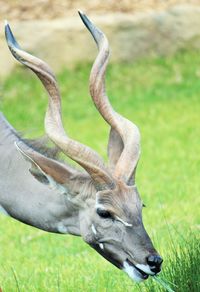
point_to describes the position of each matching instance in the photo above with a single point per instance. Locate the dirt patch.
(51, 9)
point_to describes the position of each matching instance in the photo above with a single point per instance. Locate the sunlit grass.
(162, 96)
(182, 271)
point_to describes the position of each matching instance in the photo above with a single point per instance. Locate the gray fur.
(22, 196)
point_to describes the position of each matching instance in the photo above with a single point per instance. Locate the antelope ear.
(45, 170)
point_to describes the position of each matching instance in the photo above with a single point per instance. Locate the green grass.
(182, 271)
(162, 96)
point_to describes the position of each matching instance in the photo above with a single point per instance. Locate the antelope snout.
(154, 262)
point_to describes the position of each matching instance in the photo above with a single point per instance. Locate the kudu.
(101, 203)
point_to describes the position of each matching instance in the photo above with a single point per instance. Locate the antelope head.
(106, 200)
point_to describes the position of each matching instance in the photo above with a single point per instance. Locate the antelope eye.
(103, 213)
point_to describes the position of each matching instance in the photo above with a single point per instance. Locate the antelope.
(100, 202)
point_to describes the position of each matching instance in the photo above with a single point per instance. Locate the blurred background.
(135, 29)
(153, 79)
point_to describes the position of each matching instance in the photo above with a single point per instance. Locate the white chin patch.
(132, 272)
(145, 268)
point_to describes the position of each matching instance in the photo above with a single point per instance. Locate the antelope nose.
(155, 261)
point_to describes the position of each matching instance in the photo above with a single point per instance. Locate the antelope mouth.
(142, 274)
(134, 272)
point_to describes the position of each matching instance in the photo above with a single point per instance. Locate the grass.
(182, 271)
(162, 96)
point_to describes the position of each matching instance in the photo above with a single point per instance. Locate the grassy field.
(162, 96)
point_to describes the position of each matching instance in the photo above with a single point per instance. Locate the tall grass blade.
(16, 279)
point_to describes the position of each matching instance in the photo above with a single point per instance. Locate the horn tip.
(80, 12)
(83, 17)
(96, 33)
(8, 33)
(11, 41)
